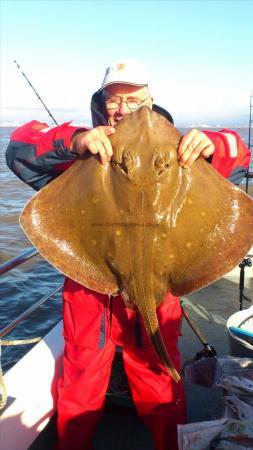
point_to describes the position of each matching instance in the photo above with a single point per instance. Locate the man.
(94, 323)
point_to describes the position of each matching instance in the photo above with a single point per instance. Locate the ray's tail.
(141, 270)
(154, 333)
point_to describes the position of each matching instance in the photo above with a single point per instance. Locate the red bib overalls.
(93, 325)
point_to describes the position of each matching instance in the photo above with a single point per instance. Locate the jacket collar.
(98, 112)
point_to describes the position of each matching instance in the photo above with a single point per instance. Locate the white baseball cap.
(126, 71)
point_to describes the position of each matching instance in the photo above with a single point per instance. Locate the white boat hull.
(32, 392)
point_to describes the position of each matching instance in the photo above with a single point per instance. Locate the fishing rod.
(208, 351)
(40, 99)
(249, 174)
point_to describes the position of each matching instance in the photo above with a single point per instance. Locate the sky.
(199, 55)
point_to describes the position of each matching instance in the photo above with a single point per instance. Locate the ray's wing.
(64, 222)
(212, 233)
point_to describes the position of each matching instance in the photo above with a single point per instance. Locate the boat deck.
(112, 433)
(120, 427)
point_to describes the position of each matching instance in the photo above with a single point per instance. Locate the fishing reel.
(207, 352)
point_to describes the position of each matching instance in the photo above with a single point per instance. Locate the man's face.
(122, 99)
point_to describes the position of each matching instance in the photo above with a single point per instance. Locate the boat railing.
(27, 254)
(7, 329)
(4, 268)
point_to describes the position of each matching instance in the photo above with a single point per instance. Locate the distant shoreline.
(193, 125)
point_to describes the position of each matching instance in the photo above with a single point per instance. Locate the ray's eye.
(127, 162)
(161, 162)
(122, 161)
(122, 167)
(126, 158)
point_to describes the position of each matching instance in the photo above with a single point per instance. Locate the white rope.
(3, 392)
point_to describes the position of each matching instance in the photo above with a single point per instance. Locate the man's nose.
(123, 108)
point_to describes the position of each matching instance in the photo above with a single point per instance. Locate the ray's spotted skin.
(141, 224)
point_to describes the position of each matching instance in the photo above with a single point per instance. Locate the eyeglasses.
(132, 103)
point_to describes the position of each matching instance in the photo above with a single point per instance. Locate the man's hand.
(94, 140)
(192, 145)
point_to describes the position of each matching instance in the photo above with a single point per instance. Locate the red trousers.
(93, 326)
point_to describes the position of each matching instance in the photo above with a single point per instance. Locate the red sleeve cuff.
(44, 137)
(228, 155)
(66, 131)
